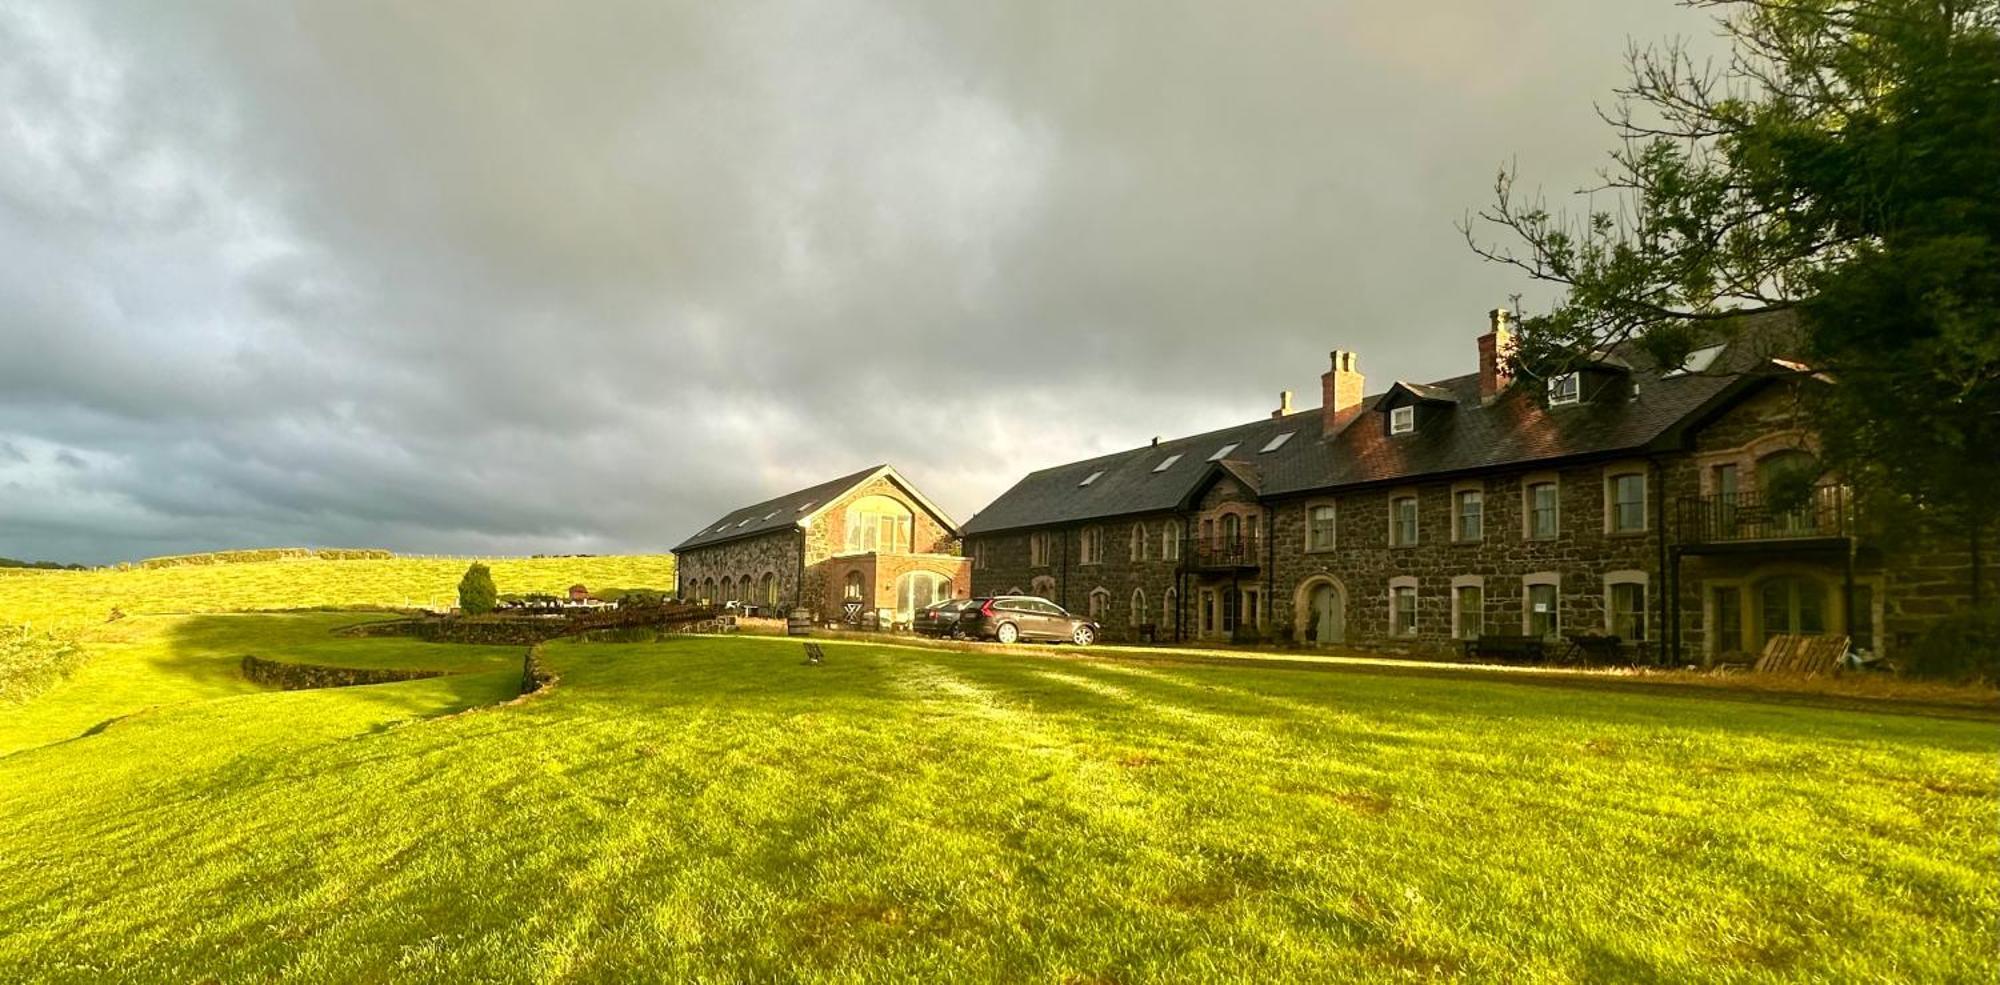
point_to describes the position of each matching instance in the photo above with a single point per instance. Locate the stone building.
(1622, 499)
(863, 547)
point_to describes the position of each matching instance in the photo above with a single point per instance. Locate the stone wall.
(301, 677)
(775, 553)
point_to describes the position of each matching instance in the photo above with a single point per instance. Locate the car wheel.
(1007, 633)
(1083, 636)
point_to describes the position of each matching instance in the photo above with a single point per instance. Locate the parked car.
(1013, 618)
(939, 618)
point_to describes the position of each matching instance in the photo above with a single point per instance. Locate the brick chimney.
(1284, 404)
(1341, 387)
(1494, 349)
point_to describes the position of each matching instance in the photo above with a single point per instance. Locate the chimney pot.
(1284, 403)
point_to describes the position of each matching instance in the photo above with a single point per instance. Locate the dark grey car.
(1015, 618)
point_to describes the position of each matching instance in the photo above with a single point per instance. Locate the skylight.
(722, 528)
(1223, 451)
(1092, 477)
(768, 516)
(802, 509)
(1168, 463)
(1697, 361)
(1275, 443)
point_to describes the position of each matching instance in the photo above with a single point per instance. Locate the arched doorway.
(1791, 604)
(1321, 608)
(917, 590)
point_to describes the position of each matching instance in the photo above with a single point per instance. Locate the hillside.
(50, 619)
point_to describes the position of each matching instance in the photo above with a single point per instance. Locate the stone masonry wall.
(775, 553)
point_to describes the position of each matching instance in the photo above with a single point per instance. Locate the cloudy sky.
(577, 277)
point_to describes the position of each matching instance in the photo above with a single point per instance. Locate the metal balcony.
(1243, 552)
(1748, 521)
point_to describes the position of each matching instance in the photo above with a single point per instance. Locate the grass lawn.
(712, 810)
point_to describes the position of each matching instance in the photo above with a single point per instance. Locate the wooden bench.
(1508, 647)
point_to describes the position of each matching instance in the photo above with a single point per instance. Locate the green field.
(712, 810)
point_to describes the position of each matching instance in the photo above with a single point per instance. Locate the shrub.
(1964, 646)
(476, 592)
(641, 598)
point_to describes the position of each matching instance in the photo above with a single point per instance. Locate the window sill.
(1469, 541)
(1323, 550)
(1627, 534)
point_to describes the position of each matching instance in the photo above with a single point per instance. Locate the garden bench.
(1507, 647)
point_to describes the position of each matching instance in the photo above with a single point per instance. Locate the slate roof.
(1515, 430)
(785, 512)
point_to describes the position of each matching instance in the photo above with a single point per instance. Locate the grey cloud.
(520, 277)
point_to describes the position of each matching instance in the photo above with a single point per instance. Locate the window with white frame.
(1625, 605)
(1468, 610)
(877, 523)
(1100, 604)
(1321, 524)
(1565, 389)
(1403, 521)
(1541, 606)
(1141, 542)
(1090, 547)
(1170, 541)
(1542, 510)
(1170, 609)
(1403, 607)
(1625, 495)
(1402, 420)
(1038, 549)
(1138, 612)
(1469, 515)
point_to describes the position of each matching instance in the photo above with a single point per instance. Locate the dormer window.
(1223, 451)
(1402, 420)
(1565, 389)
(1092, 477)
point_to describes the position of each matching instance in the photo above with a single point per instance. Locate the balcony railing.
(1744, 517)
(1245, 550)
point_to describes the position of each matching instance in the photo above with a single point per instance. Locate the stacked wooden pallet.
(1806, 656)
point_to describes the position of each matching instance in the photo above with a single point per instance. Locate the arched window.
(1138, 612)
(1170, 541)
(1044, 586)
(707, 590)
(767, 590)
(1139, 542)
(878, 523)
(918, 589)
(728, 591)
(1100, 604)
(852, 588)
(1170, 613)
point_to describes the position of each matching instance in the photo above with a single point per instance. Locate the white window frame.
(1416, 519)
(1529, 583)
(1614, 579)
(1611, 477)
(1402, 420)
(1313, 546)
(1138, 606)
(1090, 546)
(1399, 584)
(1565, 389)
(1458, 494)
(1038, 549)
(1458, 583)
(1170, 541)
(1528, 486)
(1098, 603)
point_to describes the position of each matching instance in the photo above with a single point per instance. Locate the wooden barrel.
(799, 624)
